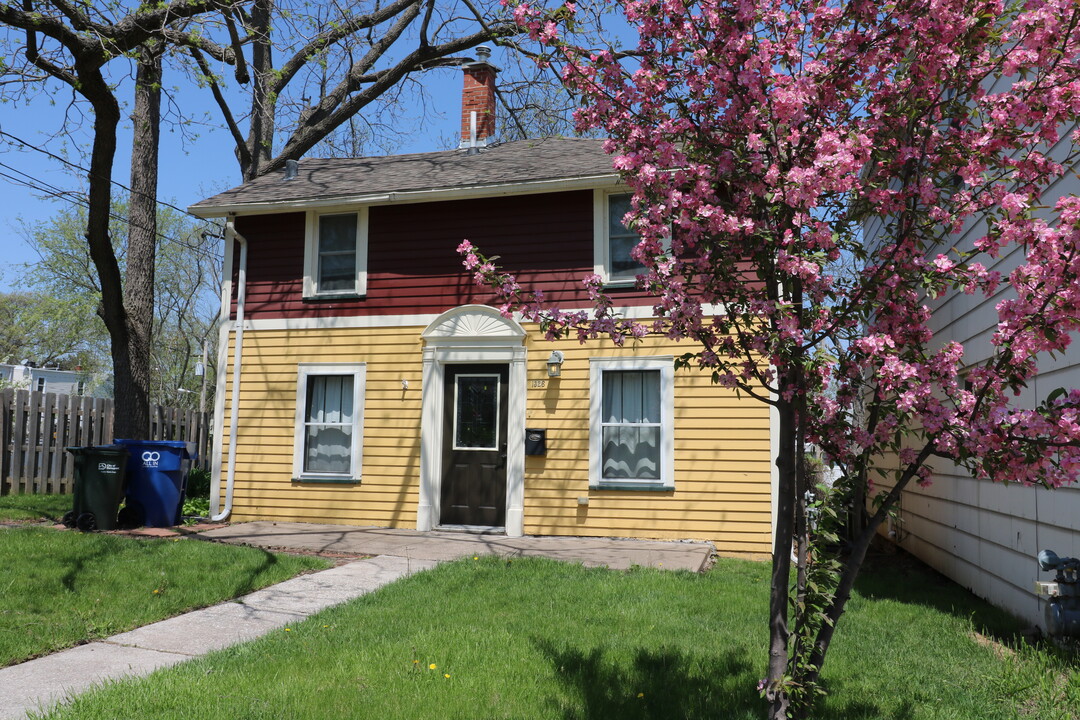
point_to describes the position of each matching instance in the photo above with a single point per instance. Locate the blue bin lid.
(188, 448)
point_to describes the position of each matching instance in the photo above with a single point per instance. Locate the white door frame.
(471, 334)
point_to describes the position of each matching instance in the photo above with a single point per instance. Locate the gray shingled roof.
(326, 180)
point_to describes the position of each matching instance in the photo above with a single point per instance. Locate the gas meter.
(1063, 604)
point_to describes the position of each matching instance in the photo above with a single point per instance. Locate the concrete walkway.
(617, 554)
(41, 683)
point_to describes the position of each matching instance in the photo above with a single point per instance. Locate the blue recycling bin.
(157, 473)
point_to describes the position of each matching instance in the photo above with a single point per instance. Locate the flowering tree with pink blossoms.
(808, 167)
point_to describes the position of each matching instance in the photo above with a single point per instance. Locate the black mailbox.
(535, 441)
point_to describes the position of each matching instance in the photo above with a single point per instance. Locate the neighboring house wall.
(62, 382)
(986, 535)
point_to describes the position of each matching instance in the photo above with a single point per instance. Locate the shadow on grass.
(245, 586)
(904, 578)
(79, 563)
(655, 684)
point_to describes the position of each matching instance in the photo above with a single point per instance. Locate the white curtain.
(631, 425)
(328, 442)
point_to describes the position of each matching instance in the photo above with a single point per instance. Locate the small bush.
(198, 483)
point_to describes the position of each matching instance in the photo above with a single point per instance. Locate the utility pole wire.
(77, 198)
(80, 168)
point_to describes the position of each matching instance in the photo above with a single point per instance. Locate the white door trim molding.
(471, 334)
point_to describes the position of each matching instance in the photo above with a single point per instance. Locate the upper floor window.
(41, 384)
(335, 263)
(613, 241)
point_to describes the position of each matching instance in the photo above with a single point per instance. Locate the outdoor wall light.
(554, 364)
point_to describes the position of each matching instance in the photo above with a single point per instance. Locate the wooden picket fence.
(35, 428)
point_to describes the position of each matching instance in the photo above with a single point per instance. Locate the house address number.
(539, 383)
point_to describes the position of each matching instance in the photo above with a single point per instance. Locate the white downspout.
(238, 345)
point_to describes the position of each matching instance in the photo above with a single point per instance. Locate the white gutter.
(223, 345)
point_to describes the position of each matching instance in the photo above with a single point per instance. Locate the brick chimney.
(478, 100)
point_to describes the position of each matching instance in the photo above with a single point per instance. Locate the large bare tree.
(77, 45)
(310, 71)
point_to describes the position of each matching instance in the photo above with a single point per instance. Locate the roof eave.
(410, 196)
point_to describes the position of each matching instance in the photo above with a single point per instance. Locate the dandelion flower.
(432, 666)
(475, 557)
(446, 675)
(288, 629)
(641, 695)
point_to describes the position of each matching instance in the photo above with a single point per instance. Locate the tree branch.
(215, 89)
(335, 34)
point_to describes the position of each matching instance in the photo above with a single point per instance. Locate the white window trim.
(311, 253)
(666, 366)
(305, 371)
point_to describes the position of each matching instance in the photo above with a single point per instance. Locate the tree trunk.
(99, 209)
(776, 692)
(853, 564)
(260, 139)
(132, 381)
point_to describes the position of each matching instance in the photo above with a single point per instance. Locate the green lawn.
(61, 588)
(32, 508)
(534, 638)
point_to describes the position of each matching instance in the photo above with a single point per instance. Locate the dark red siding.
(413, 266)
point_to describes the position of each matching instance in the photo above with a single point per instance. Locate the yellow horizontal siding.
(722, 462)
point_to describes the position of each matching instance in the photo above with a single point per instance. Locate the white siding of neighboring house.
(985, 535)
(61, 382)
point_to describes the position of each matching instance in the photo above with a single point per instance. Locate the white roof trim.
(410, 196)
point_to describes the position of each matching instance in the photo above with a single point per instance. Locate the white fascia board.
(410, 196)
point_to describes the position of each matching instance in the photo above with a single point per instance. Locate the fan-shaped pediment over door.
(474, 324)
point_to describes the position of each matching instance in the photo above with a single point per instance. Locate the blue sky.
(189, 170)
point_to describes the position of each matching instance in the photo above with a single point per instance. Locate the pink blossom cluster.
(807, 166)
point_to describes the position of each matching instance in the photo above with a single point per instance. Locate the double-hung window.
(329, 422)
(631, 434)
(335, 263)
(613, 241)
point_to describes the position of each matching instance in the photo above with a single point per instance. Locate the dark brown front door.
(474, 445)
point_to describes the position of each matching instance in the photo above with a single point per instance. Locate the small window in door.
(476, 412)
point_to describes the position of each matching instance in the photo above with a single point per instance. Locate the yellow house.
(364, 378)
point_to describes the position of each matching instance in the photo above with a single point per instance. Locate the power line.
(80, 168)
(78, 198)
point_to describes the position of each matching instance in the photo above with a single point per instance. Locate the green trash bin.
(100, 472)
